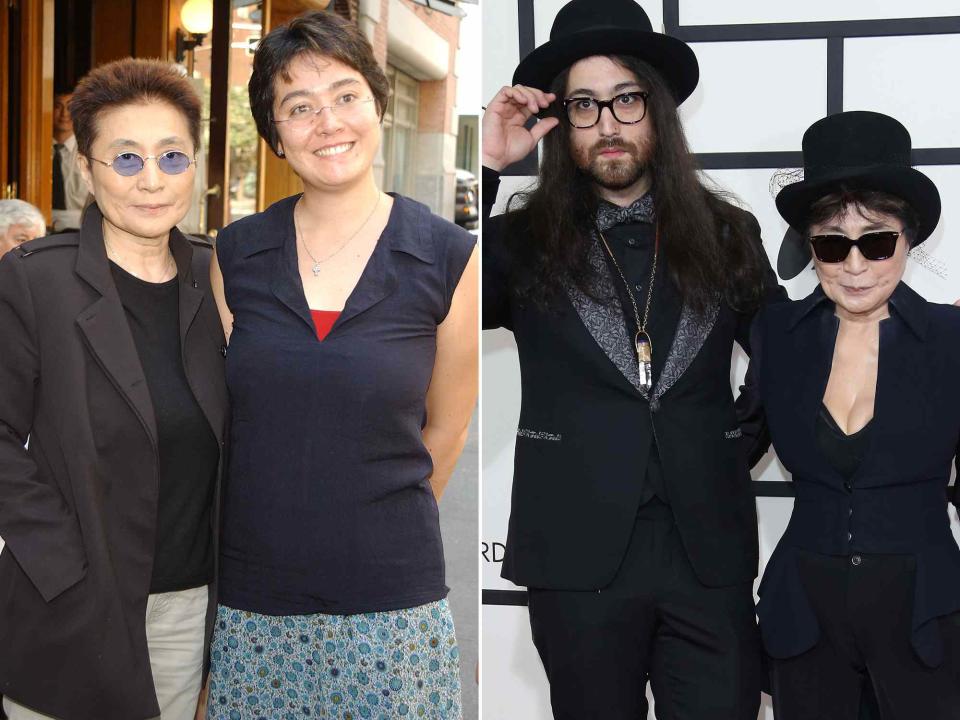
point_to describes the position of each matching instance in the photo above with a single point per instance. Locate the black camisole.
(844, 452)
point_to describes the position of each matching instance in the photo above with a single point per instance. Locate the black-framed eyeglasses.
(627, 108)
(172, 162)
(880, 245)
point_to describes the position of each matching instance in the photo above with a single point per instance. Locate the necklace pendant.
(644, 359)
(316, 269)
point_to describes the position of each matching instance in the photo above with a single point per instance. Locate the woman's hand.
(201, 713)
(505, 139)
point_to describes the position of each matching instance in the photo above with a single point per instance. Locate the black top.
(633, 246)
(844, 452)
(328, 504)
(188, 450)
(896, 500)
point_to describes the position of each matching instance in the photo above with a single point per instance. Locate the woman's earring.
(280, 153)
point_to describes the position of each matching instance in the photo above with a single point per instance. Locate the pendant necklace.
(317, 264)
(641, 339)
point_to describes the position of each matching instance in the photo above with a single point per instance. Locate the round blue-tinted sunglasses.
(172, 162)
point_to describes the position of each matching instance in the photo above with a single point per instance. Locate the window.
(400, 133)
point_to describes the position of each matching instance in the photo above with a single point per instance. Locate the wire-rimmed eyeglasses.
(304, 114)
(172, 162)
(628, 108)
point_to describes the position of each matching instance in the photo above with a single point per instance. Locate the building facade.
(52, 43)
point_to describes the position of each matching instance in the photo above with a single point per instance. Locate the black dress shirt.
(633, 246)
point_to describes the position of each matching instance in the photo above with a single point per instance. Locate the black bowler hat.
(859, 150)
(608, 27)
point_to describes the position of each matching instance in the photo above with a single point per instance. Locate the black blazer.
(896, 502)
(586, 430)
(78, 506)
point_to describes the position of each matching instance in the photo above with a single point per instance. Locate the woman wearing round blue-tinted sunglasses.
(112, 368)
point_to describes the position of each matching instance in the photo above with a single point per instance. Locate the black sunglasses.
(880, 245)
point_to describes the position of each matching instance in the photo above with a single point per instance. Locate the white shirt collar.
(70, 144)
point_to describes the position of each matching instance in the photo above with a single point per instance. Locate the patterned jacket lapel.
(692, 332)
(604, 320)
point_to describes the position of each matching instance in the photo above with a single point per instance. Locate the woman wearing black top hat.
(859, 385)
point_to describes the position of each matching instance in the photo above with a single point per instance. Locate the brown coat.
(78, 507)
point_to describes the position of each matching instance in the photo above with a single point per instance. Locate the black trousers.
(864, 613)
(698, 646)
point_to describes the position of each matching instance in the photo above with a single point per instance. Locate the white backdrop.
(768, 70)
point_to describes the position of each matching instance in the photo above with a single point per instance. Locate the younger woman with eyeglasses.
(112, 414)
(352, 368)
(860, 388)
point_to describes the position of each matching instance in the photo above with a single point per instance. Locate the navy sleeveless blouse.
(328, 506)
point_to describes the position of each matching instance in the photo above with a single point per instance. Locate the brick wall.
(446, 26)
(380, 34)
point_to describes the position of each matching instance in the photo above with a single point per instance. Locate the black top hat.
(860, 150)
(608, 27)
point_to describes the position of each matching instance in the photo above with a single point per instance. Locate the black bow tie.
(610, 215)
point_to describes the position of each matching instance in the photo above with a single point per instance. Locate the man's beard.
(613, 173)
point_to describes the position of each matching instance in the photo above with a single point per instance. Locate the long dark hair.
(706, 242)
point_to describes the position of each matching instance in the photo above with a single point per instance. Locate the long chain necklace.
(641, 340)
(317, 264)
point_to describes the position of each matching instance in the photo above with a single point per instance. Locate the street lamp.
(196, 18)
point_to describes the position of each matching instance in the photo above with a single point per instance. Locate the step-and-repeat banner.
(767, 72)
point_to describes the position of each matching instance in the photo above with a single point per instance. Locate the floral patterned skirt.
(385, 665)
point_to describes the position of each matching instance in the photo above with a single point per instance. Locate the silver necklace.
(317, 264)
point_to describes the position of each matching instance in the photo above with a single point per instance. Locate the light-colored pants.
(175, 625)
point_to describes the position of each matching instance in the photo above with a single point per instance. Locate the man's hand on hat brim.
(506, 140)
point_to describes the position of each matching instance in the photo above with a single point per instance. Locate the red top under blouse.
(323, 321)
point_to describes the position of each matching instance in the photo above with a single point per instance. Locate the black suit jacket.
(78, 506)
(586, 431)
(896, 501)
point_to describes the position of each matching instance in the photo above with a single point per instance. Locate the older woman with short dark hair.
(859, 387)
(352, 367)
(112, 415)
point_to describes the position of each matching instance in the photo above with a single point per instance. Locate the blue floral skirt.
(385, 665)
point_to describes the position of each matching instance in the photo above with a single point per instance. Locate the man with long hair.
(625, 281)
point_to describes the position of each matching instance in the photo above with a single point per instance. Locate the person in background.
(112, 417)
(19, 221)
(69, 189)
(352, 369)
(858, 385)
